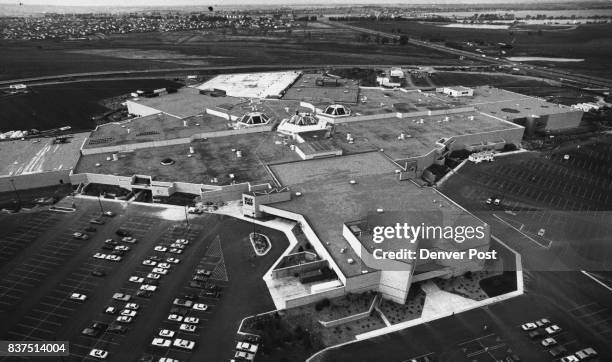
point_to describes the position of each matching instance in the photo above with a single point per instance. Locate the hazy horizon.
(170, 3)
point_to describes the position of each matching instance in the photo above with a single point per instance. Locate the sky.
(137, 3)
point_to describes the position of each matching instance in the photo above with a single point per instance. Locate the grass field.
(589, 42)
(179, 49)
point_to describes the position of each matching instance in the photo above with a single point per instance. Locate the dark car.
(196, 284)
(190, 297)
(98, 273)
(143, 294)
(178, 310)
(152, 282)
(155, 258)
(536, 335)
(100, 326)
(117, 329)
(90, 229)
(557, 351)
(91, 332)
(209, 294)
(199, 278)
(108, 247)
(123, 233)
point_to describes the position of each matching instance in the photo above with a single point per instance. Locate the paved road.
(578, 79)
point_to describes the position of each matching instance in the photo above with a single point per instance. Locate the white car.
(124, 319)
(110, 310)
(553, 329)
(529, 326)
(244, 355)
(160, 248)
(187, 327)
(541, 232)
(161, 342)
(175, 318)
(148, 287)
(122, 247)
(548, 342)
(182, 241)
(98, 353)
(183, 343)
(570, 358)
(99, 256)
(153, 276)
(149, 262)
(173, 260)
(175, 251)
(160, 271)
(200, 306)
(178, 246)
(132, 306)
(192, 320)
(136, 279)
(113, 257)
(168, 359)
(128, 313)
(182, 302)
(163, 265)
(78, 297)
(128, 239)
(244, 346)
(81, 236)
(122, 297)
(166, 333)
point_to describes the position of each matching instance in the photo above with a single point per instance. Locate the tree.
(403, 40)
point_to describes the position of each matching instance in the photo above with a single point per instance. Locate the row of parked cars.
(544, 331)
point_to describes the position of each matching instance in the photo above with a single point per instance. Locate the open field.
(73, 104)
(178, 49)
(590, 42)
(37, 279)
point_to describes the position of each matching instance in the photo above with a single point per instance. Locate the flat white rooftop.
(252, 85)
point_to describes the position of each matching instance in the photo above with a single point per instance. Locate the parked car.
(175, 251)
(80, 236)
(136, 279)
(108, 214)
(117, 329)
(111, 242)
(536, 335)
(557, 351)
(553, 329)
(163, 265)
(90, 332)
(160, 271)
(128, 313)
(167, 333)
(148, 287)
(98, 273)
(124, 319)
(90, 229)
(97, 221)
(128, 239)
(78, 297)
(98, 353)
(203, 272)
(123, 232)
(570, 358)
(242, 355)
(542, 322)
(187, 327)
(547, 342)
(148, 262)
(183, 343)
(122, 247)
(161, 342)
(248, 347)
(173, 260)
(121, 297)
(160, 248)
(175, 318)
(143, 294)
(529, 326)
(182, 302)
(153, 276)
(110, 310)
(586, 353)
(132, 306)
(200, 306)
(192, 320)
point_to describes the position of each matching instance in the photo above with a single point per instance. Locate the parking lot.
(37, 284)
(559, 207)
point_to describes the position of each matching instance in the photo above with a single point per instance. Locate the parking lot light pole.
(100, 202)
(187, 217)
(16, 192)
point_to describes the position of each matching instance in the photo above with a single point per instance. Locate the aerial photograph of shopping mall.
(306, 180)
